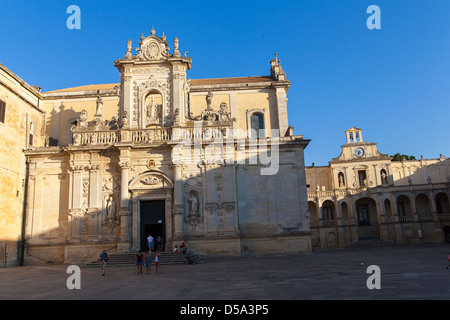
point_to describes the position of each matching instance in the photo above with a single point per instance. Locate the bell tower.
(153, 85)
(354, 135)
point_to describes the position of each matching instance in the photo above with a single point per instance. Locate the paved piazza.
(407, 272)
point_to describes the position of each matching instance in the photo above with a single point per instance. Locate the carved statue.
(83, 118)
(209, 97)
(341, 180)
(99, 111)
(151, 108)
(383, 177)
(194, 205)
(224, 115)
(153, 112)
(111, 207)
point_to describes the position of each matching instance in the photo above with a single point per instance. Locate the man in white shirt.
(150, 242)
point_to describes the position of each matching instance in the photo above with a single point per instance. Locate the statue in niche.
(194, 205)
(111, 221)
(153, 112)
(111, 208)
(383, 177)
(341, 180)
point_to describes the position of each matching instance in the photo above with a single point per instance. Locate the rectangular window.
(30, 139)
(2, 111)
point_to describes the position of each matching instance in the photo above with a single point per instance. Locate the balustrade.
(204, 133)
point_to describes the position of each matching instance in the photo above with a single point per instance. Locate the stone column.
(124, 212)
(282, 110)
(340, 228)
(354, 219)
(178, 77)
(178, 211)
(397, 225)
(94, 201)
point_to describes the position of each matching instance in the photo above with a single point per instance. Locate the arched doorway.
(152, 193)
(314, 224)
(442, 203)
(423, 207)
(403, 207)
(447, 234)
(366, 212)
(328, 213)
(313, 211)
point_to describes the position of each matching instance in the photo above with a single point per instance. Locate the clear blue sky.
(394, 83)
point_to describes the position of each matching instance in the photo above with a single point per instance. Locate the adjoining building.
(363, 195)
(209, 162)
(22, 124)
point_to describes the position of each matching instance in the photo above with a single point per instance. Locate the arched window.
(257, 124)
(328, 210)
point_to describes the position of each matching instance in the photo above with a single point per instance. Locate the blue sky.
(394, 83)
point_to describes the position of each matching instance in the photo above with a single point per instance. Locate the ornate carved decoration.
(223, 116)
(153, 179)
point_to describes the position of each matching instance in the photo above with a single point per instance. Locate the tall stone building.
(22, 125)
(209, 162)
(364, 195)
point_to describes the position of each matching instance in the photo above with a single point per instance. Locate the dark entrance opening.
(447, 234)
(152, 221)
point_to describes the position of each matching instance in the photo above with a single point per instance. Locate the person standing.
(148, 261)
(139, 262)
(158, 243)
(103, 259)
(157, 262)
(150, 242)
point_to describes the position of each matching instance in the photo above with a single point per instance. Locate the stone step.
(129, 259)
(372, 242)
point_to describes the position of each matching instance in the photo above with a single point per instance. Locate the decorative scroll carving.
(151, 180)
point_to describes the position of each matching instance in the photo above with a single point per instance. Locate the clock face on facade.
(359, 152)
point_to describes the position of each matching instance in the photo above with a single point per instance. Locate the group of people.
(141, 259)
(147, 258)
(181, 249)
(152, 246)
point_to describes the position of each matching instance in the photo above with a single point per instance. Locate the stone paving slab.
(407, 272)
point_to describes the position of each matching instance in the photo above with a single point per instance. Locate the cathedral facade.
(210, 162)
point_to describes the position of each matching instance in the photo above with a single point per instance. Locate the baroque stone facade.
(210, 162)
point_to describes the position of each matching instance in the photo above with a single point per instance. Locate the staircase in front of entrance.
(129, 259)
